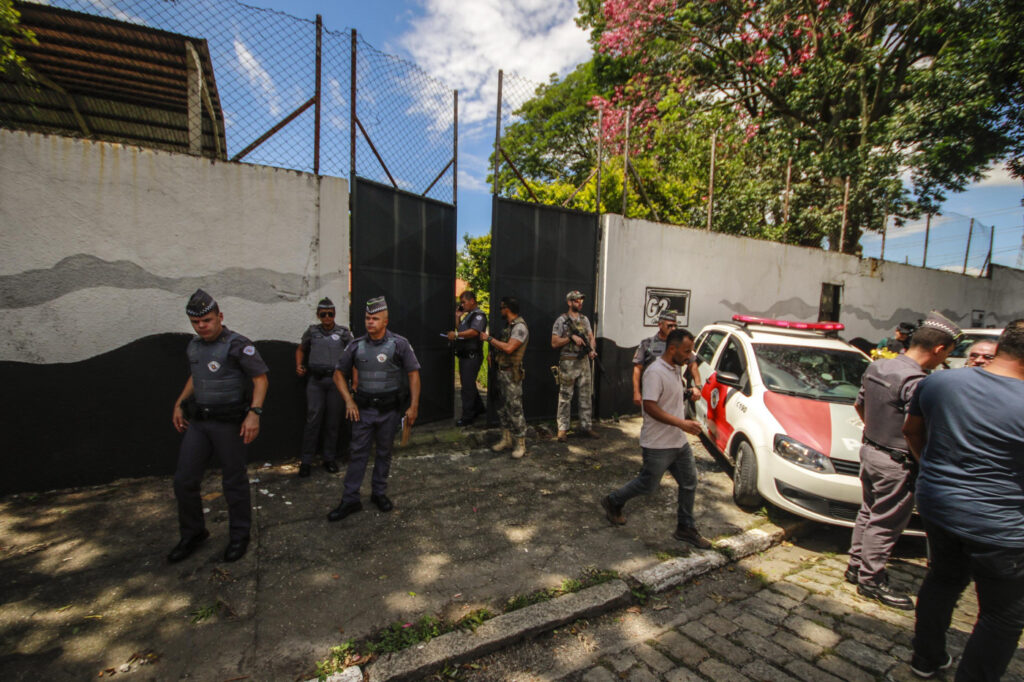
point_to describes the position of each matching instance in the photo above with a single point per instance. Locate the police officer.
(316, 356)
(652, 348)
(889, 347)
(380, 361)
(887, 465)
(507, 355)
(217, 417)
(470, 321)
(571, 334)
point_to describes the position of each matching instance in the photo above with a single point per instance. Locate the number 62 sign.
(658, 299)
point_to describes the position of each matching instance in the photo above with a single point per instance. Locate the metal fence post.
(625, 169)
(455, 149)
(846, 203)
(497, 133)
(927, 235)
(316, 110)
(600, 135)
(352, 113)
(785, 203)
(967, 251)
(885, 228)
(711, 179)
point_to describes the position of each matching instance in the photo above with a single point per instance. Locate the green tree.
(473, 264)
(10, 31)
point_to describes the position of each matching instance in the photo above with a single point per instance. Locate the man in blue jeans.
(968, 429)
(663, 440)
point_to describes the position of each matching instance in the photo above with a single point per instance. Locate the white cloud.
(112, 10)
(258, 76)
(465, 43)
(998, 176)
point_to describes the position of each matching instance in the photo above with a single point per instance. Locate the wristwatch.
(258, 411)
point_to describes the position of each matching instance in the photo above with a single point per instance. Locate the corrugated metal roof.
(127, 83)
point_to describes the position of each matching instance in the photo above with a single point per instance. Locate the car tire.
(744, 478)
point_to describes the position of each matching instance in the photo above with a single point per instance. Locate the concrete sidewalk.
(86, 588)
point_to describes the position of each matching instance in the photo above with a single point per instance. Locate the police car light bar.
(787, 324)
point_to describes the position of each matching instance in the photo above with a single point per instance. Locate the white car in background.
(777, 402)
(958, 358)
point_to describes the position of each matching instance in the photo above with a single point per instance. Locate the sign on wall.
(658, 299)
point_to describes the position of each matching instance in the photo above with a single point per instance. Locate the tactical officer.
(217, 417)
(316, 356)
(890, 347)
(652, 348)
(887, 465)
(470, 321)
(507, 355)
(574, 337)
(381, 362)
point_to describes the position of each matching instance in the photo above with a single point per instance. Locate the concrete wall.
(725, 275)
(102, 244)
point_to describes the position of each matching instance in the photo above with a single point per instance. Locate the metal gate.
(538, 254)
(403, 247)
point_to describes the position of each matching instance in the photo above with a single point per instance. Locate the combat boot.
(520, 448)
(562, 435)
(504, 443)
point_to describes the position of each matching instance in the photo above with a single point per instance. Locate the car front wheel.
(744, 477)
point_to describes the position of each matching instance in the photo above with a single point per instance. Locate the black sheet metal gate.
(538, 254)
(403, 247)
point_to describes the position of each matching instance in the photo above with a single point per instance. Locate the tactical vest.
(379, 374)
(513, 360)
(474, 345)
(325, 347)
(655, 349)
(571, 350)
(216, 379)
(884, 409)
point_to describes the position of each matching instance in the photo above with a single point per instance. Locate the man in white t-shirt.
(663, 440)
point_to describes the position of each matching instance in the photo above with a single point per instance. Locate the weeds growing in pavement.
(760, 577)
(591, 576)
(204, 612)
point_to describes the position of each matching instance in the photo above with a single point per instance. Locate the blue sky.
(465, 42)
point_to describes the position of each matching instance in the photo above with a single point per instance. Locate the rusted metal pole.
(316, 125)
(600, 135)
(352, 113)
(885, 229)
(711, 180)
(455, 150)
(785, 204)
(927, 236)
(967, 251)
(497, 133)
(625, 168)
(842, 227)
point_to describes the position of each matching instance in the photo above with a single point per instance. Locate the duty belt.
(320, 373)
(383, 403)
(900, 456)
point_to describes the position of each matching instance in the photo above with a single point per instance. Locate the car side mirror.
(729, 379)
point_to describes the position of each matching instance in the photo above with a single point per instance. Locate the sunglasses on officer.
(325, 313)
(975, 356)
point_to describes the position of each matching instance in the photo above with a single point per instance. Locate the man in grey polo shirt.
(663, 440)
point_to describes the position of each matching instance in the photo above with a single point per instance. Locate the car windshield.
(816, 373)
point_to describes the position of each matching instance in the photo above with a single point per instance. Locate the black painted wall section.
(109, 417)
(615, 385)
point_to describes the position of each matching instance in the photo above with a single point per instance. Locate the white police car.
(777, 401)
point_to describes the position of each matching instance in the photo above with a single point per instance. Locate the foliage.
(398, 636)
(473, 264)
(10, 61)
(798, 97)
(588, 578)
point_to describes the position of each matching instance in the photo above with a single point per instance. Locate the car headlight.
(796, 452)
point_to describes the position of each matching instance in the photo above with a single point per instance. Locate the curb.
(460, 646)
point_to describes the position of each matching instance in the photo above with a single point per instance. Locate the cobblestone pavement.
(784, 615)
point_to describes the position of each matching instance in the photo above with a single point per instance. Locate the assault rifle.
(573, 329)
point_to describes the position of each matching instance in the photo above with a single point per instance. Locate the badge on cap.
(249, 350)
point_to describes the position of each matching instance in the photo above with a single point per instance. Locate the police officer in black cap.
(217, 416)
(469, 350)
(381, 362)
(316, 357)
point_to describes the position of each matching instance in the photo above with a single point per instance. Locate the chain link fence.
(951, 242)
(265, 71)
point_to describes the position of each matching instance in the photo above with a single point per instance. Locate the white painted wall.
(102, 244)
(727, 275)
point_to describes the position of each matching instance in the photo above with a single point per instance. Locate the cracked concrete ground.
(86, 588)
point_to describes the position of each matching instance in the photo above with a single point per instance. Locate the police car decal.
(249, 350)
(717, 397)
(213, 366)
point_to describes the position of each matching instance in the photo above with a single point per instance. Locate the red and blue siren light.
(788, 324)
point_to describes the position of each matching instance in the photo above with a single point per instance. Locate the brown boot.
(612, 512)
(520, 448)
(504, 443)
(562, 435)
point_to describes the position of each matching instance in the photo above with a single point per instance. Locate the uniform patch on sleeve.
(249, 350)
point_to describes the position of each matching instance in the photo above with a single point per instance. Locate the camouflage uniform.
(573, 372)
(510, 378)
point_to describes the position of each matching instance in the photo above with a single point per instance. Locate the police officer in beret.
(382, 362)
(218, 417)
(470, 323)
(315, 358)
(887, 465)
